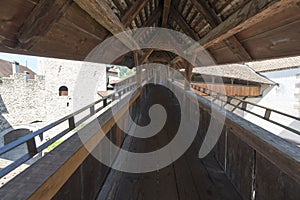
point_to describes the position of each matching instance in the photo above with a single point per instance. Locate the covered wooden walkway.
(187, 178)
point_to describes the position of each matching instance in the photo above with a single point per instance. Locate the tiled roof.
(236, 71)
(6, 69)
(275, 64)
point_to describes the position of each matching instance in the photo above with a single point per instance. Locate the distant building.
(284, 97)
(30, 101)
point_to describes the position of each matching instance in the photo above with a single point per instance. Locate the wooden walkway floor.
(189, 178)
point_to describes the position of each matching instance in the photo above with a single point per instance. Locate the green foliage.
(125, 71)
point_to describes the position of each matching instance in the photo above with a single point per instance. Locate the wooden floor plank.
(187, 178)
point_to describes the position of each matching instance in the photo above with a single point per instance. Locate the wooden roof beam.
(133, 11)
(166, 11)
(41, 19)
(238, 49)
(146, 55)
(207, 12)
(103, 14)
(182, 23)
(153, 18)
(252, 13)
(233, 43)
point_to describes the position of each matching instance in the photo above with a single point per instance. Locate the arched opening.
(63, 91)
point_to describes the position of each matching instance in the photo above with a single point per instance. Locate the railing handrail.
(273, 148)
(29, 138)
(244, 103)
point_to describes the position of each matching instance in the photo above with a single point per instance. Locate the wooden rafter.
(133, 11)
(103, 14)
(119, 6)
(238, 49)
(41, 19)
(244, 18)
(167, 4)
(206, 11)
(182, 23)
(146, 55)
(153, 18)
(232, 42)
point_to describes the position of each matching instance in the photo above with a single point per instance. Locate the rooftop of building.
(6, 69)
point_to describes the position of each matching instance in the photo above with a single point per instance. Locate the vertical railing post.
(71, 121)
(104, 102)
(267, 114)
(244, 106)
(31, 147)
(92, 110)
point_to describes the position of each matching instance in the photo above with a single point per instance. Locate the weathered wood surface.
(103, 14)
(249, 15)
(232, 90)
(41, 19)
(133, 11)
(54, 171)
(187, 178)
(166, 11)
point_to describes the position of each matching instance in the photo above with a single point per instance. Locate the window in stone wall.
(63, 91)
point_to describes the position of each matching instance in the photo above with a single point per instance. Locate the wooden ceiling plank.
(103, 14)
(119, 6)
(41, 19)
(252, 13)
(153, 18)
(133, 11)
(235, 46)
(182, 23)
(166, 11)
(206, 11)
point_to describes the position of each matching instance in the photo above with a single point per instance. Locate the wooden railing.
(259, 164)
(232, 89)
(29, 139)
(243, 106)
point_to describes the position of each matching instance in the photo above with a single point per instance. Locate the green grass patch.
(54, 145)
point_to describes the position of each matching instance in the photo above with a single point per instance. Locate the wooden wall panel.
(271, 183)
(232, 90)
(220, 149)
(239, 164)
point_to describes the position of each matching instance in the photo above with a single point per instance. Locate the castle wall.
(22, 100)
(82, 79)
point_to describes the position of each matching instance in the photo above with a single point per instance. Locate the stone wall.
(77, 77)
(22, 100)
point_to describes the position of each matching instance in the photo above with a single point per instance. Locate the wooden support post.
(92, 110)
(138, 70)
(244, 106)
(71, 123)
(267, 114)
(189, 72)
(31, 146)
(104, 102)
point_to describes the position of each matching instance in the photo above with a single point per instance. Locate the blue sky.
(31, 60)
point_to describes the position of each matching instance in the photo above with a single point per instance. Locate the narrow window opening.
(63, 91)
